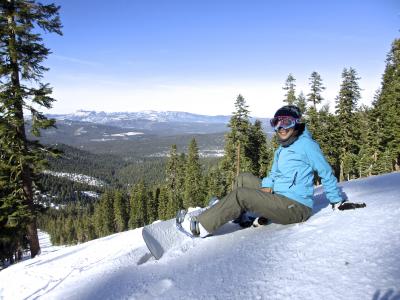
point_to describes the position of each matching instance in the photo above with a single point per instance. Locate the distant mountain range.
(145, 133)
(124, 119)
(148, 119)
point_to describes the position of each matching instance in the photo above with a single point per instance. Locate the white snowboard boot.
(190, 224)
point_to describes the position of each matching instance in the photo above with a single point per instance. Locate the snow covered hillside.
(77, 178)
(352, 254)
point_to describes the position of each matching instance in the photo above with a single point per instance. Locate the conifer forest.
(358, 141)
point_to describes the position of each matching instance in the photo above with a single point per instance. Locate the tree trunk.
(20, 130)
(341, 177)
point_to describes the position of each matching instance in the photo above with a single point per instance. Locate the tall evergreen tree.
(301, 103)
(175, 173)
(369, 142)
(315, 97)
(21, 54)
(290, 88)
(138, 201)
(313, 123)
(317, 88)
(266, 158)
(194, 184)
(346, 107)
(14, 214)
(257, 148)
(329, 137)
(107, 213)
(387, 106)
(236, 143)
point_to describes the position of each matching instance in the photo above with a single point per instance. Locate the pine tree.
(138, 201)
(14, 213)
(175, 174)
(236, 143)
(346, 107)
(316, 87)
(22, 52)
(312, 117)
(328, 136)
(266, 158)
(384, 162)
(387, 106)
(376, 134)
(257, 148)
(367, 142)
(104, 217)
(312, 113)
(301, 103)
(290, 88)
(194, 185)
(106, 213)
(181, 176)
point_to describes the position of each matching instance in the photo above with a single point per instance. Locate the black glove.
(345, 205)
(351, 205)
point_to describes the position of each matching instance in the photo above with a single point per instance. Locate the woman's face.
(284, 134)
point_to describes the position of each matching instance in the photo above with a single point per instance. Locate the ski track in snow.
(351, 254)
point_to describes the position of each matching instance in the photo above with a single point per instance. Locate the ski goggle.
(283, 122)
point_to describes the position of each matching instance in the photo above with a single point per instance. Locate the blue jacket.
(293, 169)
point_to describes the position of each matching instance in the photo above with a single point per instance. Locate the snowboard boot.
(190, 224)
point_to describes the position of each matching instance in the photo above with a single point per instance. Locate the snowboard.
(162, 236)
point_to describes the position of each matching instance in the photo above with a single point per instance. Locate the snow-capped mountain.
(149, 115)
(149, 119)
(352, 254)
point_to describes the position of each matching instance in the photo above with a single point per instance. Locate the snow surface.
(352, 254)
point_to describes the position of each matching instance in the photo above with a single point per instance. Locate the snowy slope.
(353, 254)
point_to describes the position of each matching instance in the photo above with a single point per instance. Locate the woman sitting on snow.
(286, 195)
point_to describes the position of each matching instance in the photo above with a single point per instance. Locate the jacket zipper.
(294, 180)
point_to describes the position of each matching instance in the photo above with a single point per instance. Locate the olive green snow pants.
(248, 196)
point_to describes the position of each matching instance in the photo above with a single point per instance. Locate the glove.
(350, 205)
(260, 221)
(344, 205)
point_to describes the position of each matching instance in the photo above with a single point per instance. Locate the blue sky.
(197, 56)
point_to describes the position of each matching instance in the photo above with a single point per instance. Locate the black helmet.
(288, 111)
